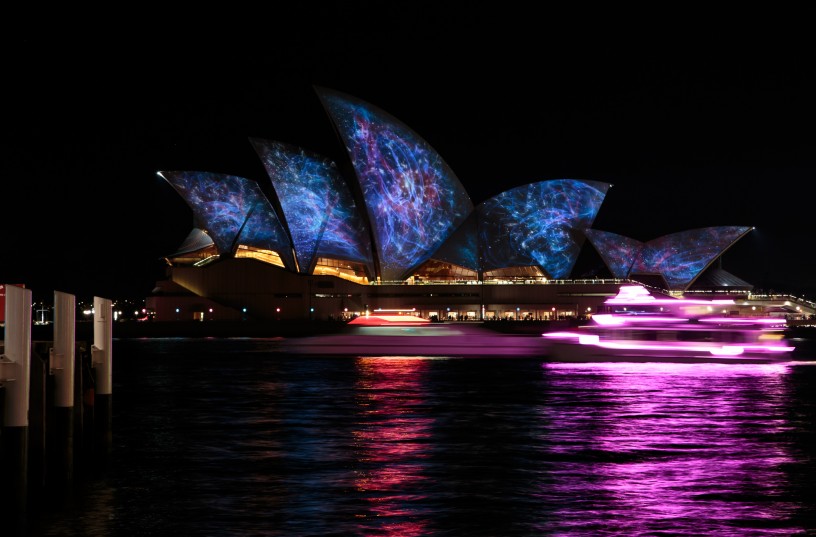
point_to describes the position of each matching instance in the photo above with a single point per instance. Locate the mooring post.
(61, 365)
(102, 362)
(15, 376)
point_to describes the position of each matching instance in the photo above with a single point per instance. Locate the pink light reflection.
(618, 320)
(742, 320)
(724, 350)
(695, 446)
(392, 448)
(637, 294)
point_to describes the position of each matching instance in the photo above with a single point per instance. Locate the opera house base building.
(235, 289)
(391, 230)
(248, 290)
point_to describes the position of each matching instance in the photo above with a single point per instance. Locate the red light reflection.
(391, 449)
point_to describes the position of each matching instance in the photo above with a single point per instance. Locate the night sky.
(697, 119)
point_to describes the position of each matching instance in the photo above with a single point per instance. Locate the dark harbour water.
(228, 437)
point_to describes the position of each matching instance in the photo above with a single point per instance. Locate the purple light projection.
(317, 204)
(681, 257)
(688, 449)
(393, 450)
(462, 248)
(617, 251)
(233, 211)
(413, 199)
(538, 224)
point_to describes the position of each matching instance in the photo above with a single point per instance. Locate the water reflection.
(217, 443)
(696, 449)
(392, 439)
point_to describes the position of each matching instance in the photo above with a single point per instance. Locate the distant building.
(393, 228)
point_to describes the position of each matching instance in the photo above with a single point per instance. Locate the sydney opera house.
(393, 229)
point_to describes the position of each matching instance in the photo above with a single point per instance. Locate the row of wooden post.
(45, 402)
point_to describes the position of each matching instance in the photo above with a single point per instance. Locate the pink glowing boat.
(636, 326)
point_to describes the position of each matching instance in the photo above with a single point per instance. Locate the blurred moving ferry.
(638, 327)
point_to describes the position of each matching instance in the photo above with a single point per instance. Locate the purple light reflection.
(392, 450)
(691, 447)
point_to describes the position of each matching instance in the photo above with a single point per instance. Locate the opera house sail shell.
(413, 199)
(234, 213)
(462, 251)
(679, 257)
(618, 252)
(318, 206)
(538, 225)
